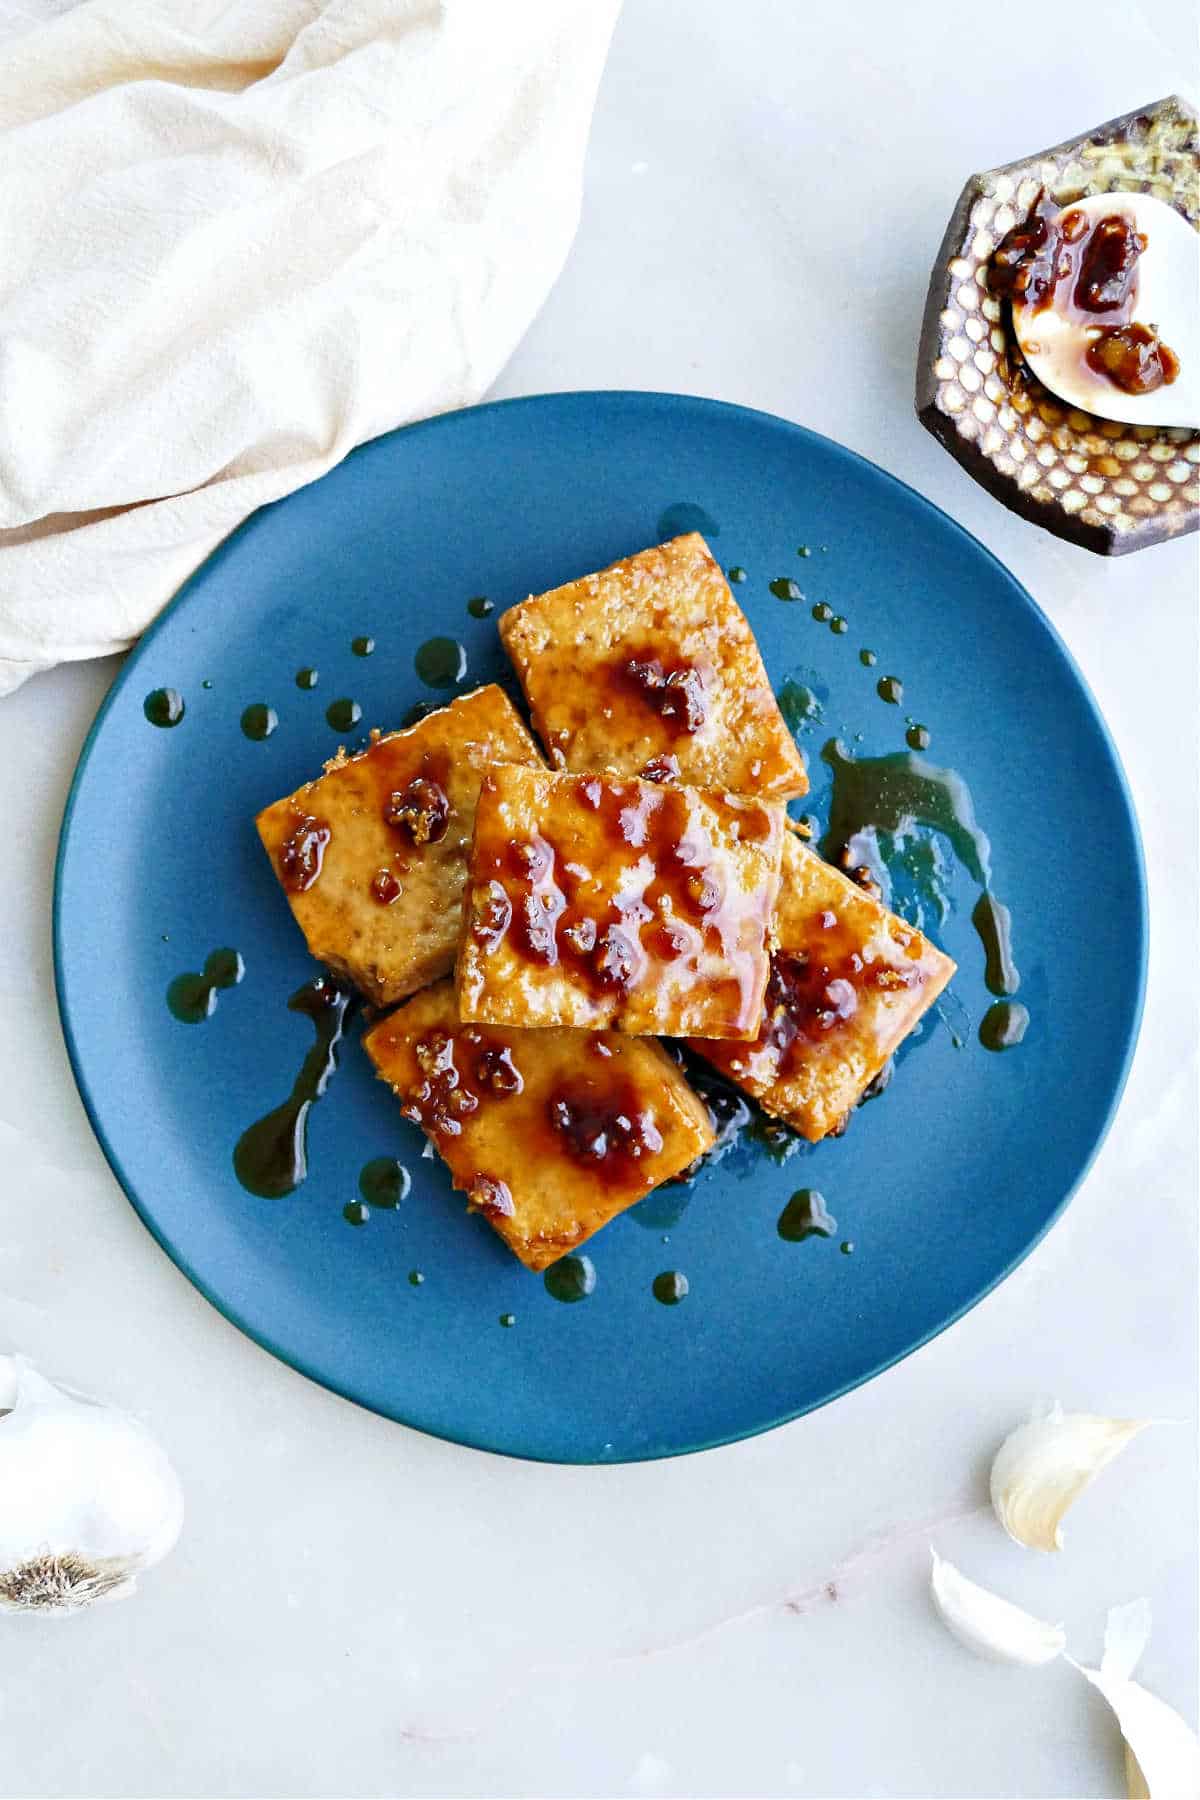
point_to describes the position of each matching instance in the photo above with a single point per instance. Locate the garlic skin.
(88, 1498)
(1162, 1754)
(1126, 1634)
(988, 1625)
(1044, 1465)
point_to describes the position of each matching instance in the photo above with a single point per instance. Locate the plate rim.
(586, 398)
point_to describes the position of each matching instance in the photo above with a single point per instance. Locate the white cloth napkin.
(238, 237)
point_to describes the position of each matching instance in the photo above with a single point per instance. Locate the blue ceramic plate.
(941, 1185)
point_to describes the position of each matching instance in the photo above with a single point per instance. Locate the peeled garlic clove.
(990, 1626)
(1044, 1465)
(87, 1497)
(1162, 1755)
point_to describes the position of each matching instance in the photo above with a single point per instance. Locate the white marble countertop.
(355, 1609)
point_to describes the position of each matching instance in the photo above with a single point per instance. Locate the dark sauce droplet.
(508, 1320)
(164, 707)
(415, 1278)
(736, 574)
(192, 997)
(867, 658)
(670, 1287)
(307, 679)
(206, 684)
(363, 646)
(271, 1157)
(384, 1182)
(919, 736)
(441, 662)
(890, 688)
(355, 1213)
(799, 704)
(572, 1278)
(1004, 1024)
(258, 722)
(822, 612)
(685, 516)
(839, 626)
(892, 793)
(993, 922)
(805, 1216)
(784, 588)
(846, 1247)
(803, 550)
(480, 607)
(343, 714)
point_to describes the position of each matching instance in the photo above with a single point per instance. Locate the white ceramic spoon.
(1165, 295)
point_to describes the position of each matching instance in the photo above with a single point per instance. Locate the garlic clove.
(88, 1497)
(1162, 1754)
(1045, 1464)
(989, 1625)
(29, 1387)
(1135, 1781)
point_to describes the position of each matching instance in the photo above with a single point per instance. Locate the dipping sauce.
(1134, 358)
(1074, 280)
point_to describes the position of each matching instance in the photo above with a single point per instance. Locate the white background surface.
(358, 1610)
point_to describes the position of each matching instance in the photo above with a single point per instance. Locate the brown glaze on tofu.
(650, 665)
(597, 903)
(849, 980)
(373, 854)
(549, 1134)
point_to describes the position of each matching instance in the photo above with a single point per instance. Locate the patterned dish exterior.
(1107, 486)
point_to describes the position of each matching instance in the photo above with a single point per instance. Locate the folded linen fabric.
(238, 237)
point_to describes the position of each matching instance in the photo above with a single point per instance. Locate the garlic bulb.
(1162, 1755)
(1043, 1466)
(990, 1626)
(87, 1496)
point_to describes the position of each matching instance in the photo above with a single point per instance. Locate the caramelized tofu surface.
(595, 903)
(650, 667)
(549, 1134)
(849, 980)
(372, 855)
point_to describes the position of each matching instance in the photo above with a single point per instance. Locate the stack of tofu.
(552, 923)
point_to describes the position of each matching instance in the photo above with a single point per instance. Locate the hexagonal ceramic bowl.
(1109, 487)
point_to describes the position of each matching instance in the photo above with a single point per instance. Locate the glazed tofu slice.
(373, 854)
(549, 1134)
(849, 980)
(651, 667)
(597, 903)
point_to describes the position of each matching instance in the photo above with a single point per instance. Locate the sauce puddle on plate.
(192, 997)
(271, 1157)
